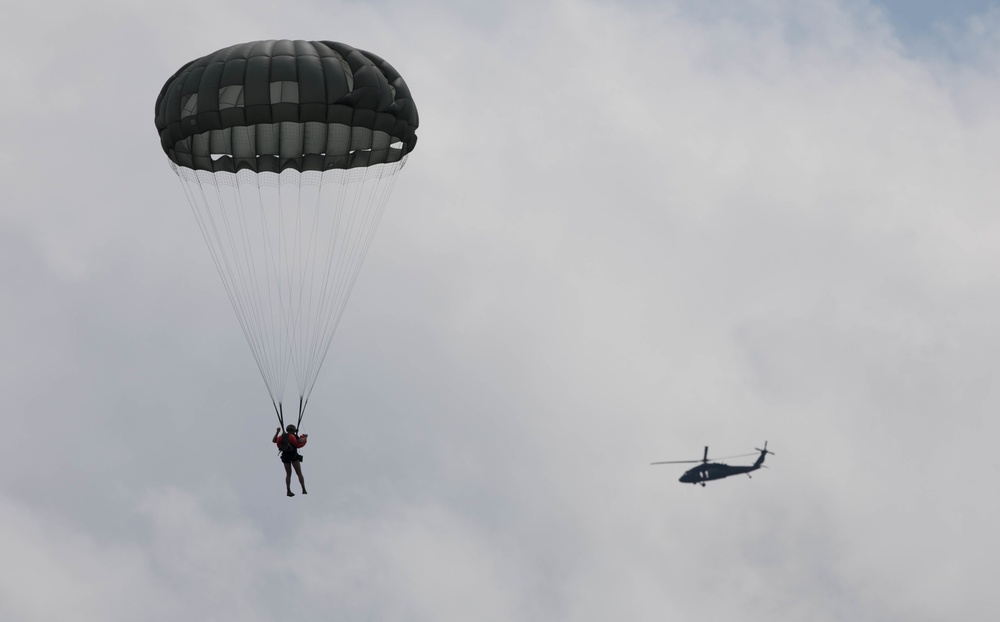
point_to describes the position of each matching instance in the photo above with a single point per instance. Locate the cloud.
(52, 572)
(627, 232)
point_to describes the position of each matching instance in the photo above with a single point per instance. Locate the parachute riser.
(277, 411)
(302, 411)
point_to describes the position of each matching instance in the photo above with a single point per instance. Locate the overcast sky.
(629, 230)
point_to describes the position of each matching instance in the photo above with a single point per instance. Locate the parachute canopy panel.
(272, 106)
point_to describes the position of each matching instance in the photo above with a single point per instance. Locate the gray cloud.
(627, 232)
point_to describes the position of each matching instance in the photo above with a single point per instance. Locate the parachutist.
(289, 444)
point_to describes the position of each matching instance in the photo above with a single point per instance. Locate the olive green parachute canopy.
(288, 152)
(271, 106)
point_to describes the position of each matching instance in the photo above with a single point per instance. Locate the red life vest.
(293, 441)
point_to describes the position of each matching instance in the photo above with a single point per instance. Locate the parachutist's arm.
(275, 439)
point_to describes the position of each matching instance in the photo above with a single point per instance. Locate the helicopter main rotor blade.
(702, 460)
(676, 462)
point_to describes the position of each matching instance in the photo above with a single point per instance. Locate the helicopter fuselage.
(707, 471)
(713, 470)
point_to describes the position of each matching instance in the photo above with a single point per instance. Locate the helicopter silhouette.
(708, 471)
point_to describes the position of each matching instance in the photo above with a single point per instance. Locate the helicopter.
(707, 471)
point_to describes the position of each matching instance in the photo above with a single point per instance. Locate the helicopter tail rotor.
(765, 450)
(763, 453)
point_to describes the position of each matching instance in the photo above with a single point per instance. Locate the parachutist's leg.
(288, 479)
(298, 471)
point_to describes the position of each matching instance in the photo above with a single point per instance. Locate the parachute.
(288, 152)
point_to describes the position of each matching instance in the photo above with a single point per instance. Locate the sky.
(629, 230)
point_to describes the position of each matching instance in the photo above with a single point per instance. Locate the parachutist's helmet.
(291, 429)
